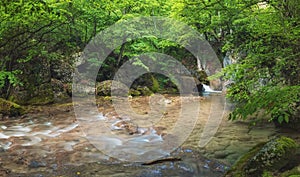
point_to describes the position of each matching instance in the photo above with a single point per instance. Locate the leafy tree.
(264, 37)
(26, 27)
(267, 78)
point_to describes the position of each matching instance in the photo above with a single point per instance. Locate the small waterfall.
(209, 90)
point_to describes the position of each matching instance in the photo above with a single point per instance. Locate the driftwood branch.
(166, 159)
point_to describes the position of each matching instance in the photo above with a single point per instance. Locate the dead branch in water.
(167, 159)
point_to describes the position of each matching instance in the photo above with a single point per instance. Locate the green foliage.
(267, 174)
(155, 85)
(11, 77)
(36, 34)
(267, 78)
(264, 37)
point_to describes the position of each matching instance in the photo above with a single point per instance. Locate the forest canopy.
(262, 38)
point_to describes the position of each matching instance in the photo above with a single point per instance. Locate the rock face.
(190, 84)
(62, 71)
(276, 155)
(10, 109)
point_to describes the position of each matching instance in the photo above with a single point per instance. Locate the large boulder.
(9, 108)
(62, 71)
(105, 88)
(276, 155)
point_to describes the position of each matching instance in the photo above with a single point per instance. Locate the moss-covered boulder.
(105, 88)
(10, 108)
(275, 155)
(134, 92)
(144, 91)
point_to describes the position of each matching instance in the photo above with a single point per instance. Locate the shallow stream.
(51, 141)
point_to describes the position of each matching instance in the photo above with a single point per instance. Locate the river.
(52, 141)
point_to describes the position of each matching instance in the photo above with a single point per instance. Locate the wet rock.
(221, 154)
(38, 175)
(128, 126)
(151, 173)
(157, 130)
(36, 164)
(54, 166)
(199, 88)
(5, 146)
(10, 108)
(191, 164)
(186, 168)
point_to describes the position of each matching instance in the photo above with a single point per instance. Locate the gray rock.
(36, 164)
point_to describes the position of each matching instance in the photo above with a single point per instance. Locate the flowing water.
(51, 141)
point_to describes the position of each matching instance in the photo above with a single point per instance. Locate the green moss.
(11, 109)
(134, 92)
(155, 85)
(145, 91)
(108, 87)
(273, 156)
(264, 158)
(41, 100)
(285, 144)
(267, 174)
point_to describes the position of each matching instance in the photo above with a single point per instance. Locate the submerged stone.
(36, 164)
